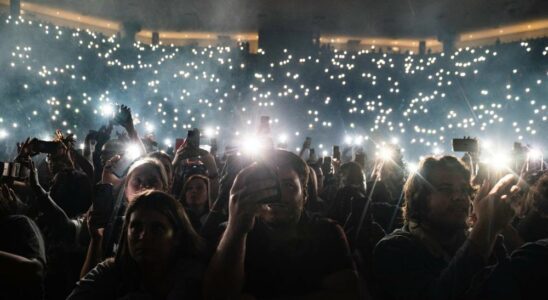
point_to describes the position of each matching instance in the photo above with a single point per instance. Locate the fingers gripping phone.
(193, 138)
(264, 172)
(121, 167)
(336, 153)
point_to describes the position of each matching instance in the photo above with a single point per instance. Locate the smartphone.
(13, 170)
(103, 206)
(534, 163)
(312, 156)
(264, 126)
(465, 145)
(121, 167)
(265, 172)
(307, 142)
(336, 152)
(45, 146)
(193, 138)
(326, 165)
(213, 146)
(179, 143)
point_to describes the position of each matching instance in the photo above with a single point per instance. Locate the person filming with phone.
(190, 160)
(271, 248)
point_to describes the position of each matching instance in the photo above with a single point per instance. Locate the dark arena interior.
(266, 149)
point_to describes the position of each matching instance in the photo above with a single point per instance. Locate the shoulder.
(70, 175)
(532, 252)
(20, 221)
(97, 283)
(20, 227)
(327, 236)
(324, 227)
(398, 242)
(106, 268)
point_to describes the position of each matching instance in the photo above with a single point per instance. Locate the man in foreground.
(271, 248)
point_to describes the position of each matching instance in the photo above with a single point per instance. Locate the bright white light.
(498, 160)
(394, 140)
(386, 153)
(209, 132)
(535, 154)
(206, 147)
(107, 110)
(486, 144)
(3, 134)
(348, 140)
(412, 167)
(437, 151)
(282, 138)
(325, 153)
(82, 146)
(358, 140)
(167, 142)
(252, 145)
(133, 151)
(149, 127)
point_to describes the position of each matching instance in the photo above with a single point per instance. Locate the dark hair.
(182, 197)
(418, 187)
(189, 242)
(354, 174)
(282, 158)
(539, 194)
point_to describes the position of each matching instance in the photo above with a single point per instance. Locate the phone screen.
(336, 153)
(265, 172)
(179, 143)
(193, 138)
(122, 166)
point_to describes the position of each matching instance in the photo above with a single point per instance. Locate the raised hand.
(245, 199)
(108, 175)
(124, 118)
(493, 206)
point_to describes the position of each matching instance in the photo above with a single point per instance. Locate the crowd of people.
(273, 224)
(117, 218)
(367, 97)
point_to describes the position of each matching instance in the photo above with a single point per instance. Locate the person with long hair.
(106, 216)
(195, 199)
(436, 255)
(157, 256)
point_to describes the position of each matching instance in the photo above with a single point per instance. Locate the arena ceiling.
(387, 18)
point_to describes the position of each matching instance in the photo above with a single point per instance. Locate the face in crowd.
(156, 231)
(150, 236)
(145, 174)
(449, 200)
(292, 174)
(439, 194)
(196, 193)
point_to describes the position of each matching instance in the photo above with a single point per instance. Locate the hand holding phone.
(120, 167)
(261, 173)
(336, 153)
(307, 142)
